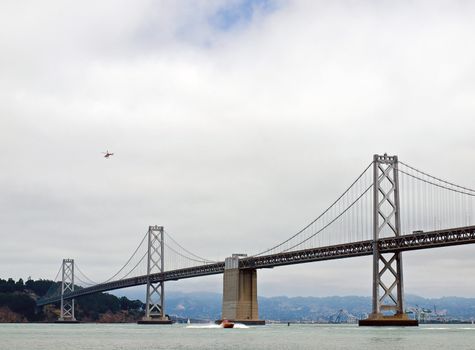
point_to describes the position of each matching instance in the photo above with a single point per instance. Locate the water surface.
(276, 337)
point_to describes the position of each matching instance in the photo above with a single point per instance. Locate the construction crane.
(338, 317)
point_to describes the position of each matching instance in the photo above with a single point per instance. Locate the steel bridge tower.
(154, 304)
(67, 286)
(388, 286)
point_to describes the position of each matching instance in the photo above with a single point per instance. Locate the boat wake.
(240, 325)
(205, 326)
(215, 326)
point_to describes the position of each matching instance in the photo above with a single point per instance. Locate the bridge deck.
(414, 241)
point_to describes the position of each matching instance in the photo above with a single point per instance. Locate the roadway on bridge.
(414, 241)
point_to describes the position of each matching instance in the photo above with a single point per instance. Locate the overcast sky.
(233, 123)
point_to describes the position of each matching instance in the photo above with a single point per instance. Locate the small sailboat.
(188, 322)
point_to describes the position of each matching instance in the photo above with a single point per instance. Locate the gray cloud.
(232, 139)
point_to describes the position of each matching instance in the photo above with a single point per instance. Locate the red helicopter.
(107, 154)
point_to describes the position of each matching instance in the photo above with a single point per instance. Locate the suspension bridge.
(391, 207)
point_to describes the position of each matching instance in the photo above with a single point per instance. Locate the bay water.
(199, 336)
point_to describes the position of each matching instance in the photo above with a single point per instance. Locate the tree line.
(18, 298)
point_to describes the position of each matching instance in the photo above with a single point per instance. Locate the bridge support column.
(388, 288)
(239, 294)
(67, 286)
(154, 304)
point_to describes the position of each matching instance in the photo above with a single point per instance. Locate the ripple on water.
(213, 337)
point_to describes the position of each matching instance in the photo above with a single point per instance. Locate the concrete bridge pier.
(239, 294)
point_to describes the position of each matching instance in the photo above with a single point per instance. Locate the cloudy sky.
(233, 124)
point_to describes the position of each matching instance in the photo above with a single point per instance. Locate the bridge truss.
(415, 241)
(391, 207)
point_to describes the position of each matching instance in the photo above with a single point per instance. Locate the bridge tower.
(67, 286)
(239, 293)
(388, 287)
(154, 304)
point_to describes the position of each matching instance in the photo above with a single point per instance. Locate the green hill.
(18, 304)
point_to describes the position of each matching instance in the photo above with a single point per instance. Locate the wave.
(215, 326)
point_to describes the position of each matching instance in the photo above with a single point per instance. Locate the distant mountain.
(17, 304)
(207, 306)
(321, 309)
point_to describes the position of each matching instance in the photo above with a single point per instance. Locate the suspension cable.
(88, 284)
(119, 271)
(438, 185)
(54, 286)
(128, 261)
(141, 259)
(83, 274)
(57, 275)
(322, 214)
(186, 250)
(187, 257)
(436, 178)
(332, 221)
